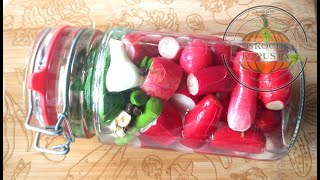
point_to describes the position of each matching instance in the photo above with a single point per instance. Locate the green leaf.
(294, 58)
(266, 34)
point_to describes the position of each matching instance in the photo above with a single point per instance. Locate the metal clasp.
(63, 126)
(61, 149)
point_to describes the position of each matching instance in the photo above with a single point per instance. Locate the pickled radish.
(138, 46)
(209, 80)
(242, 108)
(277, 99)
(170, 48)
(166, 129)
(243, 102)
(195, 56)
(201, 121)
(250, 141)
(182, 100)
(163, 79)
(122, 73)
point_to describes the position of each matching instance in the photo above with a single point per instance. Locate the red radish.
(163, 78)
(201, 121)
(182, 100)
(224, 98)
(167, 128)
(278, 99)
(195, 56)
(170, 48)
(249, 141)
(209, 80)
(138, 46)
(266, 120)
(242, 108)
(243, 102)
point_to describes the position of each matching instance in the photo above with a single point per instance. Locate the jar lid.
(57, 60)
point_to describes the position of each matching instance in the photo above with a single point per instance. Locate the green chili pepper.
(152, 110)
(144, 62)
(149, 63)
(138, 98)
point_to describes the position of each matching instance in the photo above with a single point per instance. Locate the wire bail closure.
(63, 126)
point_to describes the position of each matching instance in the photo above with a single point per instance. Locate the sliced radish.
(163, 78)
(201, 121)
(243, 102)
(195, 56)
(138, 46)
(169, 48)
(166, 129)
(209, 80)
(182, 100)
(277, 99)
(122, 73)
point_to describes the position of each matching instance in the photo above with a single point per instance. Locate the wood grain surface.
(89, 159)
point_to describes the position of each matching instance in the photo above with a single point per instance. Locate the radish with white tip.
(170, 48)
(278, 99)
(182, 100)
(243, 102)
(210, 80)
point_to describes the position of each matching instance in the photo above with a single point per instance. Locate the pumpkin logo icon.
(267, 35)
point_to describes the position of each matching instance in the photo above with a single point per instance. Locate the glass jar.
(158, 90)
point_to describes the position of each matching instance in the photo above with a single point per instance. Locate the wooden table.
(89, 159)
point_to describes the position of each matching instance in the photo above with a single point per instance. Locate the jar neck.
(81, 84)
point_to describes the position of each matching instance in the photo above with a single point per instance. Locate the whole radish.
(195, 56)
(201, 121)
(243, 102)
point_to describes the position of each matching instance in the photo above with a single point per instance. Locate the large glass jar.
(161, 90)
